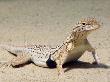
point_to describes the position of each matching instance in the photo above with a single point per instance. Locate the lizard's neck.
(78, 38)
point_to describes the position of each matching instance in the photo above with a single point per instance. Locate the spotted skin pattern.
(71, 50)
(41, 53)
(77, 43)
(38, 54)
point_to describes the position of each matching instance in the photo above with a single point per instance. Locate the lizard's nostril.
(79, 30)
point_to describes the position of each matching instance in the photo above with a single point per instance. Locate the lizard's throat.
(79, 38)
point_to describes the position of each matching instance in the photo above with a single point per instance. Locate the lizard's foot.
(61, 72)
(96, 63)
(5, 64)
(61, 76)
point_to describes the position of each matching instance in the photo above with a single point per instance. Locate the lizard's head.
(87, 25)
(83, 28)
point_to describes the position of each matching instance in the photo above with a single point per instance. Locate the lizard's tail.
(12, 49)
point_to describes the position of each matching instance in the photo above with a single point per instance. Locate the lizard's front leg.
(20, 59)
(59, 61)
(59, 67)
(95, 56)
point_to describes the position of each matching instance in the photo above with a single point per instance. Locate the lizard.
(47, 56)
(77, 43)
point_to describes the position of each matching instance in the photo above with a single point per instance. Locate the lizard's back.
(41, 54)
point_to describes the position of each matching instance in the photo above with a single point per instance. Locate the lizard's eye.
(83, 23)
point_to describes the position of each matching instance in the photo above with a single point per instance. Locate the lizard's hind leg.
(18, 60)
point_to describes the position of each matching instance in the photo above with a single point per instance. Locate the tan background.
(49, 22)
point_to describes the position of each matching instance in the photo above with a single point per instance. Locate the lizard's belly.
(75, 54)
(43, 60)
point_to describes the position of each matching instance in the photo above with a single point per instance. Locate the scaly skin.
(77, 43)
(71, 50)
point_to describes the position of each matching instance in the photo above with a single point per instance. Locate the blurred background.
(49, 22)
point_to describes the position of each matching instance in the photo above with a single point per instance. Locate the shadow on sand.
(74, 65)
(84, 65)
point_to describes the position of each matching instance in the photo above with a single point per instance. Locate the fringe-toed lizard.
(71, 50)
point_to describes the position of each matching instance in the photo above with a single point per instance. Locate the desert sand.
(49, 22)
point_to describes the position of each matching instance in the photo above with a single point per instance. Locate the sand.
(49, 22)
